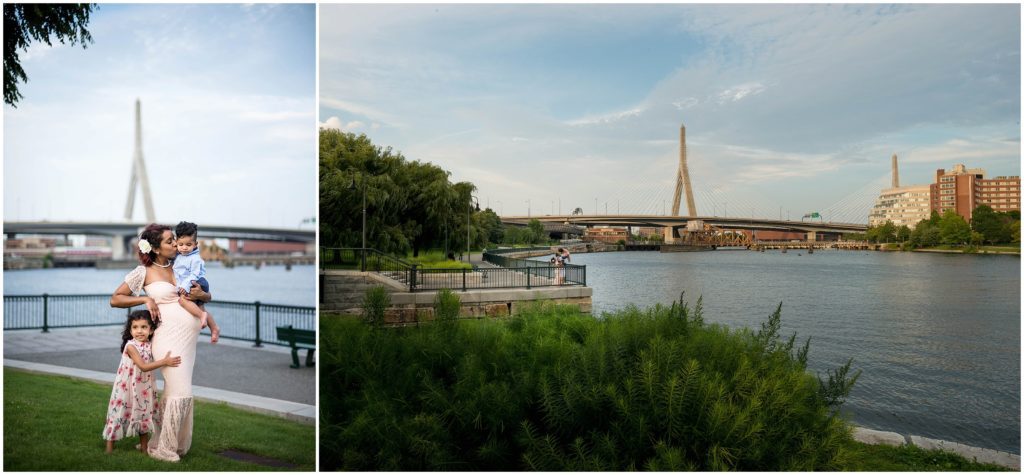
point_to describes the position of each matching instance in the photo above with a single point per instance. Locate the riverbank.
(995, 250)
(907, 443)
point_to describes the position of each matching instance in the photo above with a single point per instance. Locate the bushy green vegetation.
(375, 303)
(411, 205)
(53, 423)
(553, 389)
(533, 233)
(949, 229)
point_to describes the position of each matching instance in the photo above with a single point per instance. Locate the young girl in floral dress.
(133, 408)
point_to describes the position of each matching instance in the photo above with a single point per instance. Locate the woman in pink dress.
(177, 332)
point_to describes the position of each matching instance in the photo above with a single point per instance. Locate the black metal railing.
(567, 274)
(246, 321)
(366, 260)
(511, 272)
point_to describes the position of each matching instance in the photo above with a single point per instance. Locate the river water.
(936, 335)
(268, 284)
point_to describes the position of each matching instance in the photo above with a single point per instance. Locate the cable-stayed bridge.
(709, 206)
(124, 234)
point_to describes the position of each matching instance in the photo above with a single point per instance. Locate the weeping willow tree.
(410, 205)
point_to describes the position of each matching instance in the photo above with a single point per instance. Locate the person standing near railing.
(559, 267)
(177, 332)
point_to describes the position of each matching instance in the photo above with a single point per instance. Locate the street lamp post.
(353, 187)
(527, 209)
(469, 211)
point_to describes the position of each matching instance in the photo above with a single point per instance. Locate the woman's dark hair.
(136, 315)
(153, 233)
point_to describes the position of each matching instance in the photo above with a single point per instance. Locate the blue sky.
(797, 107)
(228, 117)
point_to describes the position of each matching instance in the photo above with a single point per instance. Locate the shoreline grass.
(54, 423)
(909, 458)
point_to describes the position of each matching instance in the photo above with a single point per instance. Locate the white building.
(903, 205)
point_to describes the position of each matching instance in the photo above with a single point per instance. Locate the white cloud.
(737, 93)
(331, 123)
(609, 117)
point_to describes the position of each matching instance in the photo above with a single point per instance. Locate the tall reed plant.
(552, 389)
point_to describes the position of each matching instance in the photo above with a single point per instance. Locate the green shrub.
(375, 303)
(447, 306)
(552, 389)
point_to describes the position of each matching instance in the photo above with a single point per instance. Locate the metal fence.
(246, 321)
(510, 273)
(567, 274)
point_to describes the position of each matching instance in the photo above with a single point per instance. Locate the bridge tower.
(139, 173)
(682, 180)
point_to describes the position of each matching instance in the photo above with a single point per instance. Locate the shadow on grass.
(55, 423)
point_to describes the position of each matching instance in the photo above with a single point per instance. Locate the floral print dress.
(133, 408)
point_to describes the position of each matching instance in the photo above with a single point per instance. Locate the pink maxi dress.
(177, 332)
(133, 408)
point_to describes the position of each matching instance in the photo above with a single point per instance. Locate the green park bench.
(297, 339)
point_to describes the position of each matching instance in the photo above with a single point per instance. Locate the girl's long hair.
(136, 315)
(153, 233)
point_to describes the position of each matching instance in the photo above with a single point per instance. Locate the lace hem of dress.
(166, 448)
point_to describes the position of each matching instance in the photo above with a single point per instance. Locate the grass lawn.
(54, 423)
(435, 259)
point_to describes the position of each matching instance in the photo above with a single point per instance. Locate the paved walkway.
(233, 372)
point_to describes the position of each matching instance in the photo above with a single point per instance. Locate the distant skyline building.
(962, 189)
(895, 173)
(903, 205)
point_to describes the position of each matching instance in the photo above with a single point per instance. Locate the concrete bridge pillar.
(670, 237)
(812, 235)
(120, 247)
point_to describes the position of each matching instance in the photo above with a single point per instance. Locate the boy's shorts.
(203, 284)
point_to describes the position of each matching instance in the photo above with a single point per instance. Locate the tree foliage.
(987, 226)
(410, 205)
(994, 227)
(953, 229)
(27, 22)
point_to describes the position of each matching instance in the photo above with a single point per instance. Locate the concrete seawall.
(343, 292)
(877, 437)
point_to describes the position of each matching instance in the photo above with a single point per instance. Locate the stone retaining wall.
(343, 291)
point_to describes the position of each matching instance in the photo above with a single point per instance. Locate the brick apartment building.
(962, 189)
(606, 235)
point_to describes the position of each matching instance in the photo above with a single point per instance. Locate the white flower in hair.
(145, 246)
